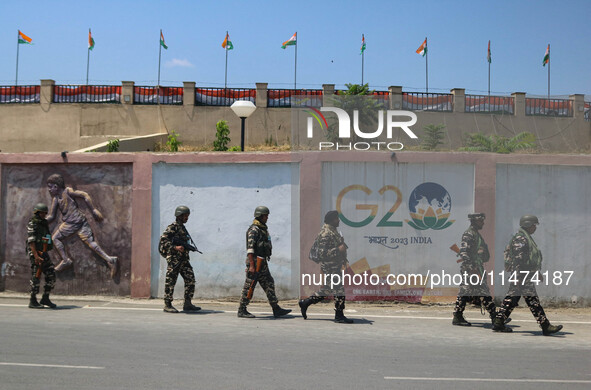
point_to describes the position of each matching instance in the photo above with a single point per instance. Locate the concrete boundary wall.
(308, 206)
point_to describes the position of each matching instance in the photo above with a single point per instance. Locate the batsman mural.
(89, 218)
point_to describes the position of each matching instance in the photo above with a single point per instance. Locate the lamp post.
(243, 109)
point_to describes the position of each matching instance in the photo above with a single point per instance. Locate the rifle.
(40, 254)
(346, 263)
(176, 241)
(255, 278)
(456, 249)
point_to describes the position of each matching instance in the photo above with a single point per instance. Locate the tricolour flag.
(90, 41)
(162, 43)
(22, 38)
(422, 50)
(290, 42)
(227, 44)
(546, 56)
(362, 43)
(488, 57)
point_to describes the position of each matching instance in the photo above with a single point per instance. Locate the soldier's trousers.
(265, 280)
(467, 293)
(176, 267)
(47, 269)
(337, 291)
(528, 291)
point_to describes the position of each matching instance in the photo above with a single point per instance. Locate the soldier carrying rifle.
(175, 245)
(38, 244)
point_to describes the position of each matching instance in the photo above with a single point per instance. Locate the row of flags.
(227, 44)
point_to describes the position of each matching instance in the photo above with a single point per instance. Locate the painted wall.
(222, 199)
(109, 186)
(560, 196)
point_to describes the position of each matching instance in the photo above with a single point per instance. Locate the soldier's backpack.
(314, 254)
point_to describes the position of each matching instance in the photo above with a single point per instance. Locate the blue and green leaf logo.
(430, 207)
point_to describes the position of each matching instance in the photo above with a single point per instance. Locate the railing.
(490, 104)
(223, 96)
(282, 97)
(86, 94)
(587, 111)
(20, 94)
(157, 95)
(420, 101)
(548, 107)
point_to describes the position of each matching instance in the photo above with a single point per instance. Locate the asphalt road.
(132, 344)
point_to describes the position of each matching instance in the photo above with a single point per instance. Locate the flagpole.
(548, 71)
(489, 82)
(362, 61)
(226, 74)
(17, 48)
(427, 65)
(295, 72)
(159, 57)
(88, 58)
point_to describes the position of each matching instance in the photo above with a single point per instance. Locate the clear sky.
(329, 40)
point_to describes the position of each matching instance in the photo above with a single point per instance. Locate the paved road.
(132, 344)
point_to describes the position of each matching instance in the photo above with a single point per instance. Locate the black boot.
(547, 328)
(168, 307)
(279, 312)
(243, 313)
(188, 306)
(304, 304)
(459, 319)
(340, 318)
(493, 315)
(33, 304)
(45, 301)
(499, 326)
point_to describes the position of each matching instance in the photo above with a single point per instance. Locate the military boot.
(459, 320)
(188, 306)
(279, 312)
(493, 315)
(243, 313)
(304, 304)
(33, 304)
(499, 326)
(45, 301)
(169, 308)
(547, 328)
(340, 318)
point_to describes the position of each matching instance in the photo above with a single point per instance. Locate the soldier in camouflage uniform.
(258, 245)
(38, 244)
(522, 254)
(332, 251)
(473, 254)
(177, 258)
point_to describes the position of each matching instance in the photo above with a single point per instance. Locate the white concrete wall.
(222, 199)
(560, 196)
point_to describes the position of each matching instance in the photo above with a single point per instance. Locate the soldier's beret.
(476, 216)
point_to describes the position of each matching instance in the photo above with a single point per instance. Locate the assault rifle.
(255, 278)
(189, 246)
(456, 249)
(45, 241)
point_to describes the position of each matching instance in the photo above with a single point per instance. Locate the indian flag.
(162, 43)
(22, 38)
(362, 43)
(546, 56)
(90, 41)
(422, 50)
(291, 41)
(488, 57)
(227, 44)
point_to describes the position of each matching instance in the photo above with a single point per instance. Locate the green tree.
(173, 143)
(222, 136)
(478, 142)
(113, 146)
(432, 136)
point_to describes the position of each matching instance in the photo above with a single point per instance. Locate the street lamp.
(243, 108)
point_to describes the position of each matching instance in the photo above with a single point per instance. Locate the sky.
(127, 33)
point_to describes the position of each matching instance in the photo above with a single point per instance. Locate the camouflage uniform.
(474, 253)
(525, 257)
(37, 228)
(178, 262)
(258, 242)
(332, 262)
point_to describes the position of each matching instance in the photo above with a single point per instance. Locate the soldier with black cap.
(332, 253)
(258, 253)
(523, 254)
(177, 257)
(38, 244)
(473, 254)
